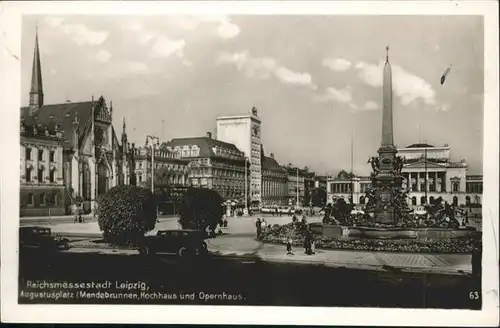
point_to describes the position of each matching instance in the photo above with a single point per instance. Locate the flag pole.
(352, 173)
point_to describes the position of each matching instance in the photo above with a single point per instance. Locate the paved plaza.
(238, 240)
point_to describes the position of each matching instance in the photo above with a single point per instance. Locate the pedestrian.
(225, 223)
(307, 246)
(289, 247)
(313, 247)
(264, 224)
(258, 226)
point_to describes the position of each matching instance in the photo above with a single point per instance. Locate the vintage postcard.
(307, 163)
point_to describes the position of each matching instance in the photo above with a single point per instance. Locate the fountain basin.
(336, 231)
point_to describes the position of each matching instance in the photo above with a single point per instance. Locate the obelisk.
(385, 180)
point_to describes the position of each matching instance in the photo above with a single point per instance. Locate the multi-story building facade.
(244, 131)
(274, 182)
(213, 164)
(170, 176)
(174, 169)
(296, 184)
(428, 171)
(93, 159)
(42, 184)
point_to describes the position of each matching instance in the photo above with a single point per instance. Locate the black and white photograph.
(253, 159)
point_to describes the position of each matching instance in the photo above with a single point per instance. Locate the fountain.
(387, 214)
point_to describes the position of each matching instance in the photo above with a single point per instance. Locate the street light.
(152, 138)
(298, 188)
(246, 195)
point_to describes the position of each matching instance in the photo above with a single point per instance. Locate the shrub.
(200, 208)
(126, 213)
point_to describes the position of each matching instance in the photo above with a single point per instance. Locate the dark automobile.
(41, 238)
(180, 242)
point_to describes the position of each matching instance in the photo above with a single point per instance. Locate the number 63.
(474, 295)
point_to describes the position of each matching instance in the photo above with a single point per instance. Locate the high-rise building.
(244, 131)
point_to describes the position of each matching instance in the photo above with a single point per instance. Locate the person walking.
(263, 224)
(313, 247)
(289, 247)
(258, 226)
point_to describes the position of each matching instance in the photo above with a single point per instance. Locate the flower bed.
(280, 234)
(99, 244)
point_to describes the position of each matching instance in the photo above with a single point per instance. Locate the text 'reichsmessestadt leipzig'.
(72, 150)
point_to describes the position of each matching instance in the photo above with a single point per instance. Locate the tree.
(200, 208)
(126, 213)
(162, 176)
(318, 197)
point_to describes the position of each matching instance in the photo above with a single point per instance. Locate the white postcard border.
(10, 96)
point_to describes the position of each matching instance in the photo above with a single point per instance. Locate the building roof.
(204, 143)
(269, 163)
(420, 145)
(64, 114)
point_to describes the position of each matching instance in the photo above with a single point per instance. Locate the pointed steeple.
(124, 137)
(36, 93)
(124, 127)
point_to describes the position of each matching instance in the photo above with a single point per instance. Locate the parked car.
(179, 242)
(42, 238)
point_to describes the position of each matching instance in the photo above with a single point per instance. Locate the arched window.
(467, 200)
(455, 185)
(28, 173)
(41, 169)
(422, 200)
(414, 201)
(52, 175)
(455, 201)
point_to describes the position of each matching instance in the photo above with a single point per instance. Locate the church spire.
(124, 137)
(36, 93)
(124, 127)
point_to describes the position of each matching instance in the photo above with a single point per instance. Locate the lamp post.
(246, 187)
(298, 188)
(153, 139)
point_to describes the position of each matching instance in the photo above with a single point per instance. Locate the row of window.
(43, 199)
(474, 187)
(40, 175)
(41, 153)
(174, 167)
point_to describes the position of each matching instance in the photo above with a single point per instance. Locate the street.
(239, 240)
(254, 282)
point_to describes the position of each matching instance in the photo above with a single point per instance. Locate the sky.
(315, 80)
